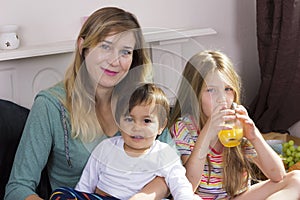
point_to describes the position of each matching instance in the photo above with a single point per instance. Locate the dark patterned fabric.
(66, 193)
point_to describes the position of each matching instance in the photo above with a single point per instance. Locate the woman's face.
(215, 91)
(109, 62)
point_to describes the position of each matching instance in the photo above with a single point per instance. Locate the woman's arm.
(33, 197)
(32, 154)
(157, 189)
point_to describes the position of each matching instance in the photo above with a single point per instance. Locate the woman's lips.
(110, 73)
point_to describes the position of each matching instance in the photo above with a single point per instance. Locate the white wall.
(50, 21)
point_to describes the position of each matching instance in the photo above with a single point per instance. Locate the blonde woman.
(69, 119)
(209, 87)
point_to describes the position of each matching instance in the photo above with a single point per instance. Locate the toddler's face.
(216, 91)
(139, 128)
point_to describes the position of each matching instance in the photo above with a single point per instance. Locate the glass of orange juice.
(231, 137)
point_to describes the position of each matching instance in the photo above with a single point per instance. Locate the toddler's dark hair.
(145, 94)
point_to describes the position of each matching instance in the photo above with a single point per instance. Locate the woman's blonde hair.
(80, 92)
(189, 99)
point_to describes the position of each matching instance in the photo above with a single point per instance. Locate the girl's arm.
(267, 159)
(194, 163)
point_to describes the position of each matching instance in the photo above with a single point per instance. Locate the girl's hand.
(249, 128)
(217, 119)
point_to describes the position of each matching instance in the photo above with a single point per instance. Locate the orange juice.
(232, 137)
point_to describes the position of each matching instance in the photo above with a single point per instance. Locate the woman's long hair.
(189, 101)
(80, 91)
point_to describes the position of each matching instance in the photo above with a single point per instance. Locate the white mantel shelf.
(69, 46)
(38, 50)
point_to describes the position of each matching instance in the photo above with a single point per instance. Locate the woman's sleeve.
(182, 137)
(33, 150)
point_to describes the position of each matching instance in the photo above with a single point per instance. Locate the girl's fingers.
(242, 116)
(220, 115)
(241, 109)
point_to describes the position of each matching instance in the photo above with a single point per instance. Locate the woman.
(69, 119)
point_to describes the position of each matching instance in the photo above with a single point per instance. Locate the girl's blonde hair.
(189, 99)
(80, 92)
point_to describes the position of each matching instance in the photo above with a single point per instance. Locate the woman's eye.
(125, 52)
(105, 46)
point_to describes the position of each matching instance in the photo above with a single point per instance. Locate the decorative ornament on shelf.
(9, 38)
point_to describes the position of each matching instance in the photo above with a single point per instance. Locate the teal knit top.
(45, 142)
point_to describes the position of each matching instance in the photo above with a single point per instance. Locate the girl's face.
(215, 91)
(139, 128)
(109, 62)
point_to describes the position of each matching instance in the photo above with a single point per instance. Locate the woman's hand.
(33, 197)
(156, 189)
(143, 196)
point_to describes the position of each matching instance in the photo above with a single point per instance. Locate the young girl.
(121, 166)
(208, 88)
